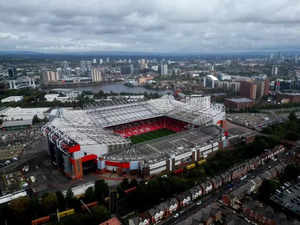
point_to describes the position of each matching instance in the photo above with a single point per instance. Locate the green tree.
(20, 205)
(75, 204)
(69, 194)
(100, 213)
(101, 190)
(19, 212)
(291, 172)
(124, 184)
(292, 116)
(61, 202)
(133, 183)
(265, 190)
(49, 202)
(89, 195)
(35, 119)
(69, 197)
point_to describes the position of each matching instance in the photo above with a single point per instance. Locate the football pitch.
(150, 135)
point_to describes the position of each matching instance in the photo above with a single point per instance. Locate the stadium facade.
(99, 138)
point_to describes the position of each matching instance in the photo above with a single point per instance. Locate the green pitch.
(150, 135)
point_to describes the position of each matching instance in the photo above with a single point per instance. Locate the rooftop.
(17, 123)
(239, 100)
(18, 113)
(174, 144)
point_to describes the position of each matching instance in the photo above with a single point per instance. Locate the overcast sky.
(149, 25)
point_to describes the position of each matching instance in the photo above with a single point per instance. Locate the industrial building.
(99, 138)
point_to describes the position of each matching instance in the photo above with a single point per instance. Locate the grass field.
(150, 135)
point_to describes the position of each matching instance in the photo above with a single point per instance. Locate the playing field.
(150, 135)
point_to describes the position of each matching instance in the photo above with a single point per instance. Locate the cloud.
(143, 25)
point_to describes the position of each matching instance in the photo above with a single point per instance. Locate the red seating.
(141, 127)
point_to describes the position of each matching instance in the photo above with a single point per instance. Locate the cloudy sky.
(149, 25)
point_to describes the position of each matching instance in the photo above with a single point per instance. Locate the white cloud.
(143, 25)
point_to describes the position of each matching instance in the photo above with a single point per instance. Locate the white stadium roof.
(87, 127)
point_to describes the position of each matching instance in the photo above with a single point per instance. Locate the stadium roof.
(87, 126)
(163, 147)
(197, 113)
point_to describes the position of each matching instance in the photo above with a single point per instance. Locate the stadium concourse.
(170, 133)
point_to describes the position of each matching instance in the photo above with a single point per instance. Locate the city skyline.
(144, 26)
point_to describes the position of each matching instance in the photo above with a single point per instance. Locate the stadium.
(145, 138)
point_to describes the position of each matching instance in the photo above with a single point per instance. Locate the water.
(118, 88)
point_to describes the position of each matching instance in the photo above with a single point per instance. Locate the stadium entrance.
(89, 163)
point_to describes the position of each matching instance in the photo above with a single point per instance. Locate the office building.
(231, 86)
(96, 75)
(260, 88)
(267, 87)
(237, 104)
(50, 76)
(274, 70)
(209, 81)
(127, 69)
(163, 69)
(248, 89)
(12, 72)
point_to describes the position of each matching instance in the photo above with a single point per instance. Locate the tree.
(89, 195)
(265, 190)
(100, 213)
(69, 198)
(124, 184)
(292, 116)
(49, 202)
(133, 182)
(19, 212)
(291, 172)
(61, 202)
(76, 204)
(35, 208)
(35, 119)
(101, 190)
(20, 205)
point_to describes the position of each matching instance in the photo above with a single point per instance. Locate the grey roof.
(161, 148)
(239, 100)
(17, 123)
